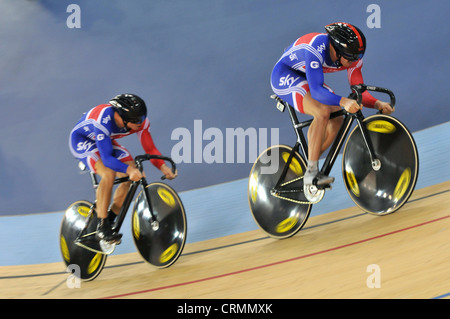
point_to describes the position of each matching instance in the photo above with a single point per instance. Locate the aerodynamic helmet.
(348, 41)
(130, 107)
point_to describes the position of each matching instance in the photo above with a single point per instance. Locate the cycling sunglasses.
(352, 57)
(138, 121)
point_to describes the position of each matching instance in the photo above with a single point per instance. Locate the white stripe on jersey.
(305, 46)
(297, 88)
(93, 122)
(299, 66)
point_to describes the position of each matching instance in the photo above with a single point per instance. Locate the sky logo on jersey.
(288, 80)
(83, 146)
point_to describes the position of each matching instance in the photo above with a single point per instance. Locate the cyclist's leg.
(124, 156)
(321, 134)
(293, 88)
(85, 150)
(332, 129)
(91, 158)
(103, 199)
(120, 193)
(318, 127)
(322, 130)
(104, 189)
(333, 125)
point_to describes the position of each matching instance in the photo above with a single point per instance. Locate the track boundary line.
(223, 246)
(278, 262)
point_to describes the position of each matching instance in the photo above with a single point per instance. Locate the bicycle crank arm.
(106, 248)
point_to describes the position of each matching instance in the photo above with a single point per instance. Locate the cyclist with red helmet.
(93, 142)
(298, 78)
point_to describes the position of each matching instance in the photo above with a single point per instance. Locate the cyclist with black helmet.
(298, 78)
(93, 142)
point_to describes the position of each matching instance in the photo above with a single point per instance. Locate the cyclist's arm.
(148, 145)
(314, 75)
(355, 77)
(105, 148)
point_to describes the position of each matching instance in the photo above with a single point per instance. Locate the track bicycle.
(380, 166)
(158, 225)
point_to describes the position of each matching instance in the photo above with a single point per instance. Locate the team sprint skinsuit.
(301, 69)
(95, 135)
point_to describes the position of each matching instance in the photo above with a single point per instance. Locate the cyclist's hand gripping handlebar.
(358, 90)
(146, 157)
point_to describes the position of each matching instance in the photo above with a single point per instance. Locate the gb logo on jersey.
(314, 64)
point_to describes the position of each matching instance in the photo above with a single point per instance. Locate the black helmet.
(130, 107)
(348, 41)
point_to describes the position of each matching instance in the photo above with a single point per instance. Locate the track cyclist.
(298, 78)
(93, 142)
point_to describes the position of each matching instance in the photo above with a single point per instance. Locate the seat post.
(94, 180)
(93, 176)
(298, 130)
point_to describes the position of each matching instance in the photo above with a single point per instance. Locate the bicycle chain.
(294, 200)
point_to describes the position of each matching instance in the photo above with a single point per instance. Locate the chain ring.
(312, 198)
(313, 194)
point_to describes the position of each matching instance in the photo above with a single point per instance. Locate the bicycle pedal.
(326, 187)
(323, 183)
(115, 237)
(116, 241)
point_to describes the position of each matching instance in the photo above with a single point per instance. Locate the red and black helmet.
(130, 107)
(348, 41)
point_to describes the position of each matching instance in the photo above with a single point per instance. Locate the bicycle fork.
(376, 163)
(127, 202)
(339, 141)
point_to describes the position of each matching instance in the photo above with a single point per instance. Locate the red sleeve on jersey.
(147, 143)
(355, 77)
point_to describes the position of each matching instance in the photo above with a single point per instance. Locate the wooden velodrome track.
(330, 258)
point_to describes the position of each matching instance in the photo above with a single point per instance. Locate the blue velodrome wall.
(212, 212)
(191, 60)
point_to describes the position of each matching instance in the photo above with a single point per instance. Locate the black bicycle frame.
(133, 187)
(335, 148)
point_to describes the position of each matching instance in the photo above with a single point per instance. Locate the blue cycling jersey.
(301, 69)
(94, 138)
